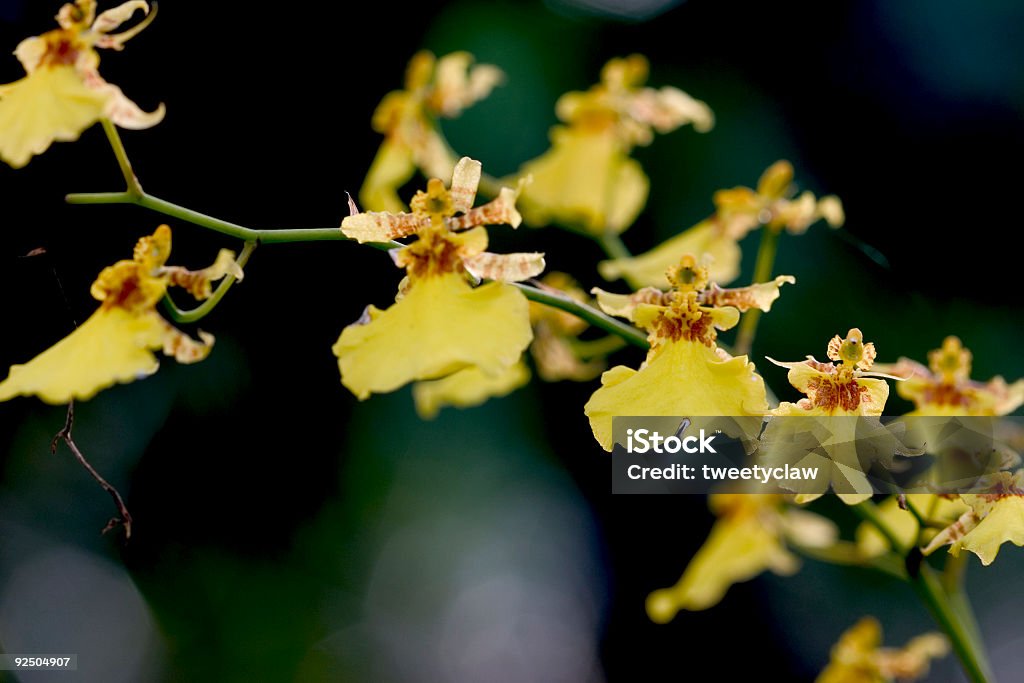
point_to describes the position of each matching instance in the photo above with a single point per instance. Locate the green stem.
(953, 578)
(954, 573)
(241, 232)
(868, 511)
(131, 181)
(631, 334)
(846, 554)
(925, 580)
(204, 309)
(135, 195)
(962, 606)
(762, 273)
(591, 315)
(972, 657)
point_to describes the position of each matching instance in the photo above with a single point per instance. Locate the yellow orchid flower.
(587, 179)
(748, 538)
(63, 92)
(859, 657)
(995, 517)
(945, 387)
(685, 372)
(552, 351)
(440, 323)
(835, 394)
(737, 212)
(408, 119)
(116, 343)
(903, 523)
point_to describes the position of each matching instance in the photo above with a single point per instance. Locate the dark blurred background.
(286, 532)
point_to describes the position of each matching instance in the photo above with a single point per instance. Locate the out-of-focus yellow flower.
(440, 323)
(859, 657)
(737, 212)
(408, 119)
(995, 517)
(903, 524)
(63, 92)
(116, 343)
(945, 387)
(467, 388)
(748, 538)
(685, 372)
(555, 349)
(835, 393)
(587, 179)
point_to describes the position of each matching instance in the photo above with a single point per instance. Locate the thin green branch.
(762, 273)
(868, 511)
(241, 232)
(631, 334)
(971, 655)
(954, 572)
(952, 619)
(847, 554)
(204, 309)
(249, 235)
(131, 181)
(252, 238)
(962, 606)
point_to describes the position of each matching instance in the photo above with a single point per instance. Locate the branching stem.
(124, 517)
(252, 238)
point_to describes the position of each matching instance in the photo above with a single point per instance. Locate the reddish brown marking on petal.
(672, 326)
(61, 49)
(492, 213)
(1002, 488)
(742, 298)
(462, 196)
(432, 254)
(829, 394)
(942, 394)
(121, 297)
(650, 295)
(195, 282)
(827, 368)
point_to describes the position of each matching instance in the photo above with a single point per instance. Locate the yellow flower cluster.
(63, 93)
(835, 394)
(737, 211)
(945, 387)
(117, 342)
(993, 513)
(444, 326)
(685, 373)
(587, 180)
(408, 119)
(749, 537)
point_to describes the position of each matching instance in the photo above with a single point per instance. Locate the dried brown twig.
(125, 518)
